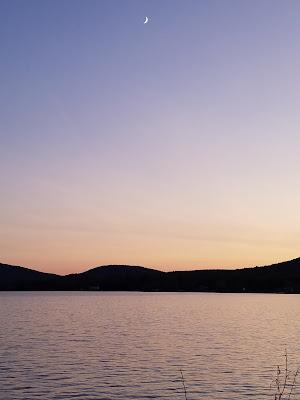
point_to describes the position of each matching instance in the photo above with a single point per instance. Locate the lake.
(104, 345)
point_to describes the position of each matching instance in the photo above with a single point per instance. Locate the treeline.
(283, 277)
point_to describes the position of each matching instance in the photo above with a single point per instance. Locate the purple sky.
(173, 144)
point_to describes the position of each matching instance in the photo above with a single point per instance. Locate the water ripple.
(113, 346)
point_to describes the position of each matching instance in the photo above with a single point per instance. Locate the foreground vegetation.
(284, 382)
(282, 386)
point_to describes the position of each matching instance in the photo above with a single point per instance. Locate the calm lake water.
(132, 345)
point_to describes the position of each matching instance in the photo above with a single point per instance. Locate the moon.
(146, 20)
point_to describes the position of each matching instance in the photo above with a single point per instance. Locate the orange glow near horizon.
(171, 254)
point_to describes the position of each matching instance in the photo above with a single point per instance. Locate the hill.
(283, 277)
(13, 277)
(114, 277)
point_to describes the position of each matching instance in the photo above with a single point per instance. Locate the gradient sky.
(173, 144)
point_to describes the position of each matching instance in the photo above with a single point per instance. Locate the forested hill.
(13, 277)
(283, 277)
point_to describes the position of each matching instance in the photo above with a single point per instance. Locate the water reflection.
(133, 345)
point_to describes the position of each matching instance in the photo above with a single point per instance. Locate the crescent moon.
(146, 20)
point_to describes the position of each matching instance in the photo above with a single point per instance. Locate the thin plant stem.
(183, 384)
(285, 385)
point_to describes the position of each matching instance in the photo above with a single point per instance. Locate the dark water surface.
(132, 345)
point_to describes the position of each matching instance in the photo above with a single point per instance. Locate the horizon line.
(151, 267)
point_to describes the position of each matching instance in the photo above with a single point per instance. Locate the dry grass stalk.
(183, 384)
(285, 381)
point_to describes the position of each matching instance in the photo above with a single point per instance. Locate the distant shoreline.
(135, 291)
(281, 278)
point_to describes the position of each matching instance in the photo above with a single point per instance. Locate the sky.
(172, 144)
